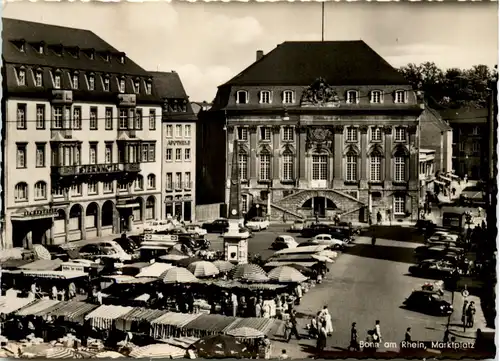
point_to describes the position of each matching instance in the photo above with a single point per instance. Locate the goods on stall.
(219, 346)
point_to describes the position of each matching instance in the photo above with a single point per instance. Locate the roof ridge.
(53, 25)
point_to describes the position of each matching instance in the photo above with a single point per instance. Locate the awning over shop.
(154, 270)
(258, 323)
(9, 305)
(128, 205)
(439, 182)
(170, 324)
(446, 179)
(43, 265)
(287, 263)
(73, 311)
(39, 213)
(103, 317)
(50, 274)
(208, 324)
(138, 314)
(37, 308)
(14, 263)
(182, 342)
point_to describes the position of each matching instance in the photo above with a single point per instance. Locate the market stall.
(72, 311)
(260, 324)
(158, 351)
(208, 325)
(171, 324)
(154, 270)
(38, 308)
(138, 319)
(104, 317)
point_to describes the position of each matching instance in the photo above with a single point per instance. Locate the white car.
(108, 249)
(326, 239)
(192, 228)
(257, 224)
(284, 242)
(297, 226)
(158, 226)
(442, 237)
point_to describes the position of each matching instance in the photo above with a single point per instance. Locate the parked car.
(473, 195)
(195, 229)
(437, 252)
(108, 249)
(424, 224)
(257, 224)
(157, 226)
(319, 228)
(297, 226)
(431, 268)
(218, 226)
(329, 240)
(283, 242)
(127, 244)
(429, 302)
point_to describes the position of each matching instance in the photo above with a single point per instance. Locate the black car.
(431, 268)
(425, 225)
(440, 252)
(217, 226)
(127, 244)
(429, 302)
(320, 228)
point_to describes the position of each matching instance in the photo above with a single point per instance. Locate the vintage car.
(429, 302)
(331, 241)
(195, 229)
(158, 226)
(104, 249)
(319, 228)
(297, 226)
(431, 268)
(218, 226)
(284, 242)
(257, 224)
(437, 252)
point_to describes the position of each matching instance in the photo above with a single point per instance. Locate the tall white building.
(81, 137)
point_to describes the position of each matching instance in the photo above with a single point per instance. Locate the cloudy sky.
(208, 43)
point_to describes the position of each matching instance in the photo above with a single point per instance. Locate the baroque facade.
(81, 137)
(333, 139)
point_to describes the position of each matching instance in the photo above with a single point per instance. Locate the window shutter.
(357, 97)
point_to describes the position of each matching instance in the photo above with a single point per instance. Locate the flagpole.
(323, 21)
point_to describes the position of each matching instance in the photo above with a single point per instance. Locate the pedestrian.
(298, 293)
(408, 335)
(377, 331)
(325, 315)
(99, 297)
(283, 355)
(464, 311)
(54, 292)
(234, 304)
(71, 291)
(258, 309)
(313, 327)
(453, 191)
(317, 217)
(293, 327)
(321, 342)
(471, 311)
(446, 336)
(379, 217)
(374, 240)
(354, 343)
(266, 310)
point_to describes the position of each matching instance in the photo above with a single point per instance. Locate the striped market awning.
(104, 316)
(73, 311)
(10, 305)
(37, 308)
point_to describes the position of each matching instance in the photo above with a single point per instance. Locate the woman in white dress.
(325, 315)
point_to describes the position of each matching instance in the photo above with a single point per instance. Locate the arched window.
(151, 181)
(40, 190)
(150, 207)
(139, 183)
(351, 167)
(265, 165)
(287, 166)
(375, 167)
(243, 165)
(241, 97)
(376, 134)
(376, 97)
(21, 192)
(399, 167)
(288, 97)
(352, 97)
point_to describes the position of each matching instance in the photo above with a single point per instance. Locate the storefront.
(32, 226)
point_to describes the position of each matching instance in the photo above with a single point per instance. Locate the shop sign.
(62, 96)
(99, 168)
(72, 267)
(179, 142)
(127, 100)
(40, 212)
(161, 237)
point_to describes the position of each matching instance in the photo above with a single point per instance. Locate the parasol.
(220, 346)
(109, 354)
(178, 275)
(203, 269)
(246, 332)
(300, 268)
(187, 261)
(223, 266)
(173, 257)
(249, 273)
(322, 258)
(57, 352)
(159, 350)
(285, 274)
(41, 252)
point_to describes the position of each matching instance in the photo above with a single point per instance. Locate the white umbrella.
(109, 354)
(159, 350)
(246, 332)
(203, 269)
(178, 275)
(286, 274)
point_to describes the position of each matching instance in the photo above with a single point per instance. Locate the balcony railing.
(95, 169)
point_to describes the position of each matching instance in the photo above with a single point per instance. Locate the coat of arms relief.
(319, 94)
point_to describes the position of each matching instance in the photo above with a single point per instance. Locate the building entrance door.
(319, 204)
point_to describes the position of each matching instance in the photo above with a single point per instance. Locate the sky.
(208, 43)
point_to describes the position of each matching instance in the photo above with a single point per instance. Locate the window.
(400, 134)
(242, 134)
(91, 82)
(178, 180)
(265, 97)
(122, 186)
(319, 166)
(264, 166)
(40, 155)
(476, 147)
(40, 116)
(21, 116)
(351, 167)
(57, 191)
(169, 181)
(121, 85)
(75, 80)
(21, 156)
(148, 152)
(187, 154)
(288, 97)
(93, 118)
(108, 187)
(152, 119)
(138, 119)
(265, 133)
(288, 134)
(287, 159)
(352, 134)
(139, 183)
(77, 118)
(76, 190)
(57, 80)
(243, 166)
(137, 86)
(92, 187)
(38, 78)
(151, 181)
(108, 119)
(475, 131)
(108, 154)
(244, 204)
(461, 146)
(148, 87)
(399, 168)
(168, 155)
(40, 190)
(122, 59)
(375, 167)
(93, 154)
(178, 131)
(169, 131)
(352, 97)
(376, 134)
(21, 77)
(106, 83)
(57, 118)
(187, 131)
(399, 204)
(187, 180)
(399, 96)
(376, 96)
(152, 152)
(123, 124)
(241, 97)
(178, 154)
(21, 192)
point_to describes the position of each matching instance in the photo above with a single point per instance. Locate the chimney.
(260, 54)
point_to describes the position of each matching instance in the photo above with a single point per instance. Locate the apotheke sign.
(179, 142)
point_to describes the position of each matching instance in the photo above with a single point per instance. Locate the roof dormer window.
(20, 45)
(38, 77)
(91, 54)
(106, 83)
(137, 86)
(40, 48)
(122, 59)
(121, 85)
(352, 97)
(376, 97)
(265, 97)
(241, 97)
(75, 80)
(57, 49)
(288, 97)
(400, 96)
(21, 76)
(149, 86)
(73, 52)
(57, 79)
(91, 81)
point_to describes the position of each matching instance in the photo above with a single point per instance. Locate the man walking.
(377, 331)
(354, 344)
(293, 327)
